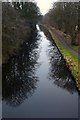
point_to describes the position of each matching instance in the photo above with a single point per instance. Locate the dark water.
(36, 82)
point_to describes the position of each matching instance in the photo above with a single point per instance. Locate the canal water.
(37, 83)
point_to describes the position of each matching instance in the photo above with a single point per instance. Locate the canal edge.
(57, 43)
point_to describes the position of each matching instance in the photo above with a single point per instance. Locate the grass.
(68, 41)
(72, 62)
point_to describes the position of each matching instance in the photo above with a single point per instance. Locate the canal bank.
(37, 83)
(71, 58)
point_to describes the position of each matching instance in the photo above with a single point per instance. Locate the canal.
(37, 83)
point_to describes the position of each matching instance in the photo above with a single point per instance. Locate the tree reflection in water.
(59, 72)
(19, 79)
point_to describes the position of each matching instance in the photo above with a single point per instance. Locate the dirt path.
(63, 41)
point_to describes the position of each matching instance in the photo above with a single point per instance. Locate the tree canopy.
(65, 16)
(29, 10)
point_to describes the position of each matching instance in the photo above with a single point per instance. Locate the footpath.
(63, 41)
(71, 56)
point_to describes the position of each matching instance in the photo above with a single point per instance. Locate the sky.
(44, 5)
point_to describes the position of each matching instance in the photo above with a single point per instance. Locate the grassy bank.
(67, 39)
(72, 62)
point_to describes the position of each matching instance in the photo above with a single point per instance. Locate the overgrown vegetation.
(72, 61)
(65, 17)
(18, 21)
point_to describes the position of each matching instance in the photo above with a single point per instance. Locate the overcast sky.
(44, 5)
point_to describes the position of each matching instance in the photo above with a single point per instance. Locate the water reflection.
(19, 79)
(20, 82)
(58, 72)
